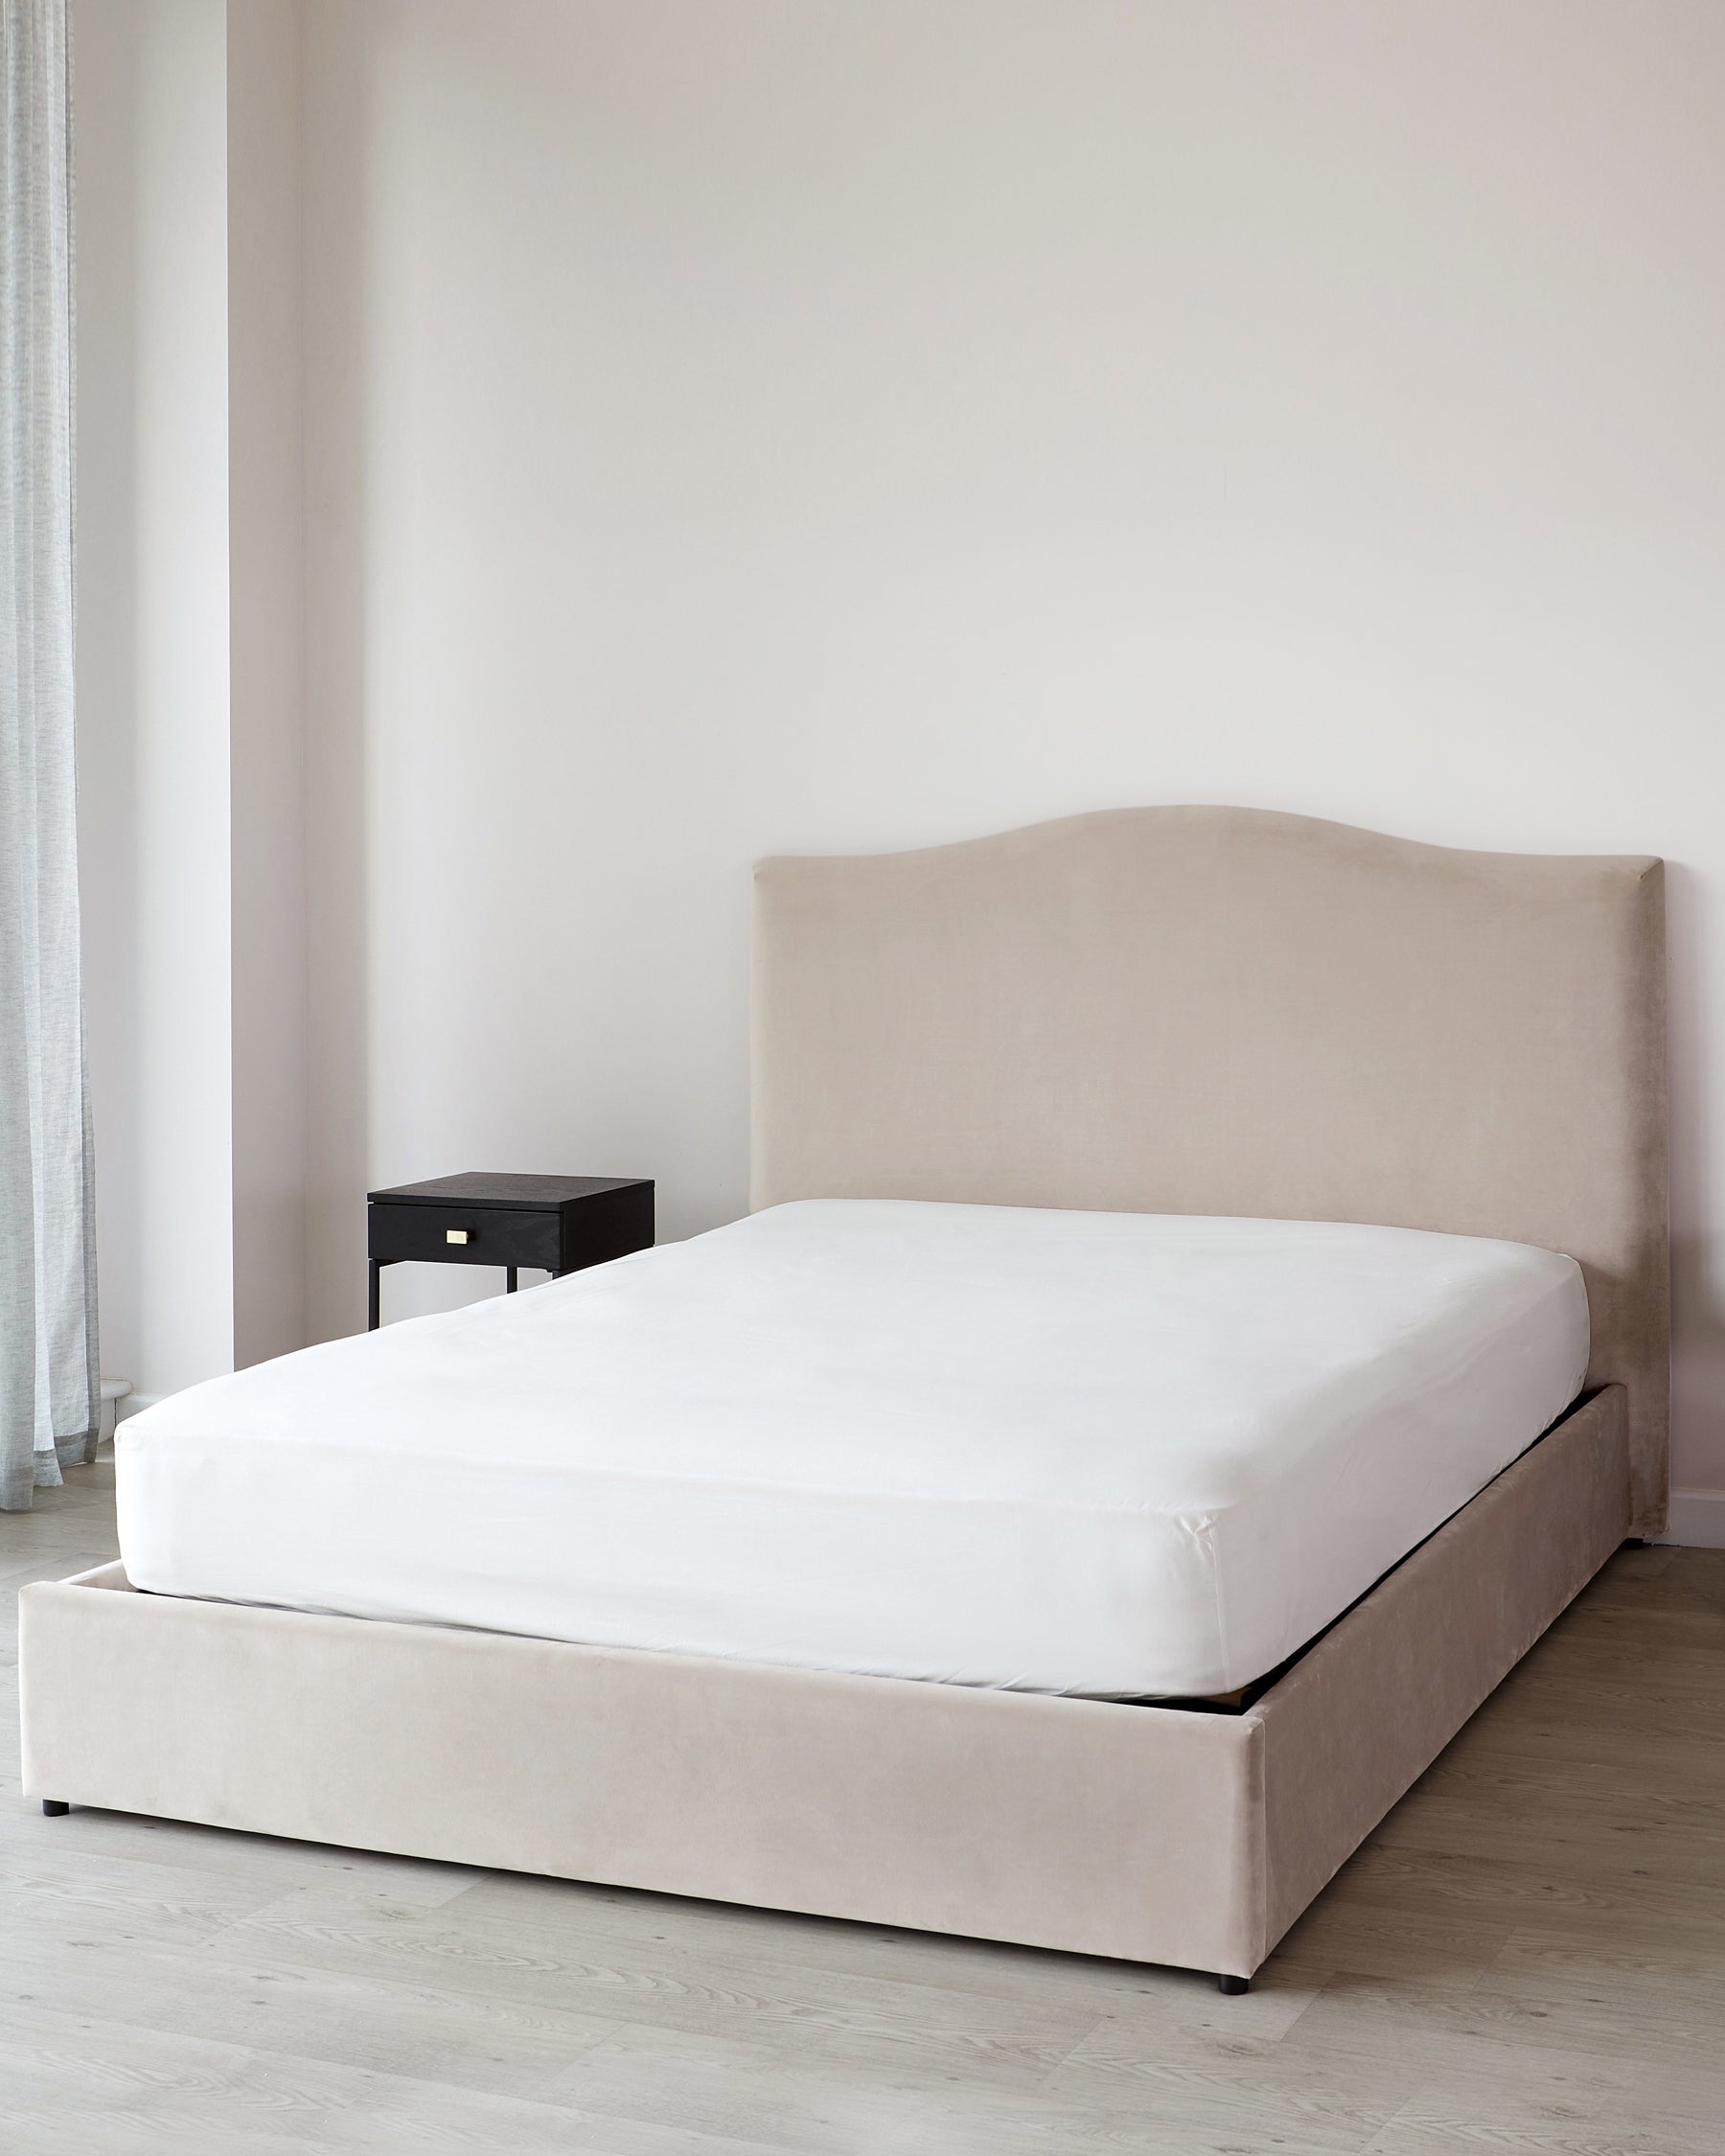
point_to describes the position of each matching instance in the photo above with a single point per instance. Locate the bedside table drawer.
(493, 1236)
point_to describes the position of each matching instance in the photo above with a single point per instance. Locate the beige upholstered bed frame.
(1195, 1010)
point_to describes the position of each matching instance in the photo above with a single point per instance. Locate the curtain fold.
(50, 1390)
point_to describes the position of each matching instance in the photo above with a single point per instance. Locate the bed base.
(1166, 1835)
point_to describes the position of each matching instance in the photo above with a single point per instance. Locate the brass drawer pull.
(458, 1235)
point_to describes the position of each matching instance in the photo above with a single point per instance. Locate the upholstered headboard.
(1227, 1011)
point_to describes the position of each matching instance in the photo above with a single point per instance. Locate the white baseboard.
(1697, 1519)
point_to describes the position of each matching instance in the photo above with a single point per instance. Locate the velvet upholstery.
(1355, 1723)
(1150, 1833)
(1201, 1010)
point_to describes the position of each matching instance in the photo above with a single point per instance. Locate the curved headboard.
(1197, 1010)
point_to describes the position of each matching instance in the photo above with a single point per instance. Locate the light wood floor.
(1529, 1956)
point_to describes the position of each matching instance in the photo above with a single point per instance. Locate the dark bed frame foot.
(1232, 1988)
(1637, 1541)
(52, 1808)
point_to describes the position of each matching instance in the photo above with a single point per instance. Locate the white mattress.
(1099, 1453)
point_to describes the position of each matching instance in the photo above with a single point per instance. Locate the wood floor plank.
(1337, 2106)
(199, 2098)
(1563, 2107)
(790, 2097)
(882, 2025)
(827, 1944)
(1165, 2123)
(1452, 1946)
(413, 2031)
(1624, 1904)
(1473, 2033)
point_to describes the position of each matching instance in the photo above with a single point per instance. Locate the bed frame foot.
(52, 1808)
(1231, 1986)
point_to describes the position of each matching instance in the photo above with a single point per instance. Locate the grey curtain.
(50, 1391)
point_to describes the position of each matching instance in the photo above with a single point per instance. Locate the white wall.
(759, 426)
(153, 676)
(741, 424)
(266, 747)
(190, 756)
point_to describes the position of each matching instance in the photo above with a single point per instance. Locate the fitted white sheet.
(1101, 1453)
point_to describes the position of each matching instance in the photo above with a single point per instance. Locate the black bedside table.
(557, 1223)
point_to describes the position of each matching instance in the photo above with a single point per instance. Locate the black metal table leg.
(373, 1315)
(509, 1279)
